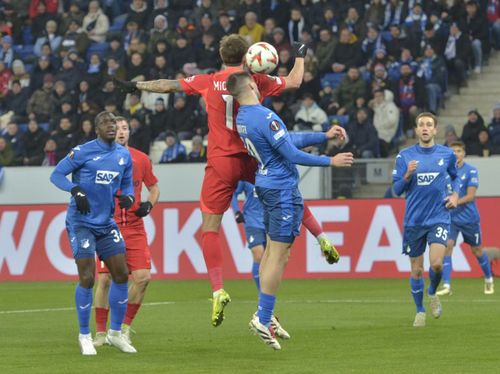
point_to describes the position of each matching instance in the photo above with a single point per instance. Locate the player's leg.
(101, 304)
(472, 236)
(312, 225)
(436, 254)
(256, 238)
(447, 269)
(257, 253)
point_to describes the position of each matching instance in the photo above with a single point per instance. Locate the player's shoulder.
(408, 151)
(470, 168)
(444, 149)
(138, 155)
(266, 78)
(81, 150)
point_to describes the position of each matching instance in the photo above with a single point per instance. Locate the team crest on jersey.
(189, 79)
(71, 155)
(105, 176)
(121, 161)
(274, 125)
(441, 162)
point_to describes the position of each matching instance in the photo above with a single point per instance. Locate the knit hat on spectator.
(278, 30)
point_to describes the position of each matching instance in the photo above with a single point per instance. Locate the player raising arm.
(228, 161)
(276, 184)
(422, 172)
(465, 219)
(99, 169)
(131, 226)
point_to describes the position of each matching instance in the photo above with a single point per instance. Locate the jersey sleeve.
(473, 178)
(269, 85)
(453, 173)
(196, 84)
(399, 185)
(73, 161)
(127, 184)
(149, 177)
(275, 132)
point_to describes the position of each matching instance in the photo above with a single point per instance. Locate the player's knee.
(437, 266)
(120, 276)
(87, 279)
(141, 281)
(477, 251)
(417, 273)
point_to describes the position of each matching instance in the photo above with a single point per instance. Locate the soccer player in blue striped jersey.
(465, 219)
(276, 183)
(99, 169)
(423, 172)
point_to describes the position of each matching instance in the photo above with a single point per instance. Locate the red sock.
(212, 253)
(101, 319)
(310, 222)
(132, 310)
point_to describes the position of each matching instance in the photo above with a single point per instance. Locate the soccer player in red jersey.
(228, 160)
(131, 227)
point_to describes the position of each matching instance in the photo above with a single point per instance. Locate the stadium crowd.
(372, 66)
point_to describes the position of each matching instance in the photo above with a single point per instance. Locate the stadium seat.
(342, 120)
(98, 48)
(27, 35)
(118, 23)
(333, 78)
(25, 52)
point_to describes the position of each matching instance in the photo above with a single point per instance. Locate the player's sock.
(311, 224)
(447, 269)
(266, 308)
(118, 298)
(212, 253)
(417, 291)
(132, 310)
(255, 274)
(484, 262)
(435, 278)
(83, 301)
(101, 319)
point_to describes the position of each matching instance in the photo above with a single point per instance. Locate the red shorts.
(137, 254)
(222, 174)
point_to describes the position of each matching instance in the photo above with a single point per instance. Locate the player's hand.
(82, 203)
(342, 160)
(126, 201)
(336, 132)
(412, 166)
(125, 86)
(299, 49)
(144, 209)
(239, 217)
(451, 201)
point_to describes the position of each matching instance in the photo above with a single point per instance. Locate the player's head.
(122, 131)
(232, 49)
(105, 126)
(426, 128)
(459, 150)
(241, 85)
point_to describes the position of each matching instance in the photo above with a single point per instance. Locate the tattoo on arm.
(160, 86)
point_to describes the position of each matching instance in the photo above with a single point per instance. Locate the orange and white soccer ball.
(261, 57)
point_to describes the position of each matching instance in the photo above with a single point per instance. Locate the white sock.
(488, 280)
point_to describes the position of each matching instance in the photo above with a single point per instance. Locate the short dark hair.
(234, 82)
(427, 114)
(104, 117)
(458, 143)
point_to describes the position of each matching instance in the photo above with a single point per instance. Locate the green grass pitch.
(337, 326)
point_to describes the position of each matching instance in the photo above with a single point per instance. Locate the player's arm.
(451, 201)
(159, 85)
(305, 139)
(401, 175)
(472, 186)
(238, 215)
(151, 183)
(294, 79)
(127, 199)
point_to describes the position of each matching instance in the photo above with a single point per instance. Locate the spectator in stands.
(175, 152)
(483, 147)
(269, 27)
(138, 12)
(205, 26)
(140, 135)
(158, 119)
(324, 50)
(493, 15)
(471, 130)
(397, 42)
(351, 87)
(41, 11)
(115, 50)
(184, 27)
(14, 138)
(135, 108)
(394, 13)
(347, 53)
(476, 26)
(311, 84)
(86, 133)
(207, 56)
(96, 23)
(183, 53)
(251, 29)
(5, 76)
(136, 67)
(42, 68)
(49, 36)
(41, 103)
(415, 22)
(432, 37)
(73, 15)
(181, 118)
(329, 20)
(75, 38)
(327, 102)
(251, 6)
(15, 102)
(433, 70)
(355, 23)
(132, 31)
(69, 74)
(94, 71)
(110, 92)
(14, 20)
(450, 135)
(379, 78)
(51, 153)
(279, 107)
(363, 138)
(494, 126)
(7, 54)
(33, 141)
(160, 69)
(114, 69)
(208, 7)
(6, 153)
(310, 116)
(160, 31)
(198, 150)
(296, 24)
(224, 26)
(19, 73)
(64, 137)
(371, 43)
(457, 54)
(374, 15)
(385, 119)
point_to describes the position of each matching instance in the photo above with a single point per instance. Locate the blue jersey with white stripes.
(466, 213)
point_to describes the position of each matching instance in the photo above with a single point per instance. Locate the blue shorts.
(416, 238)
(470, 232)
(86, 242)
(255, 237)
(283, 211)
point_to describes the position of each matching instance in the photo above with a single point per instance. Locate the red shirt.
(142, 173)
(223, 138)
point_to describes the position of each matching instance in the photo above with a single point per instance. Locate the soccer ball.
(261, 58)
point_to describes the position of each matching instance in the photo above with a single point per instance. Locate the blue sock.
(417, 291)
(255, 274)
(435, 279)
(266, 307)
(118, 300)
(484, 262)
(447, 269)
(83, 301)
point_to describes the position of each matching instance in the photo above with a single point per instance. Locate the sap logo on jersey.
(105, 176)
(425, 179)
